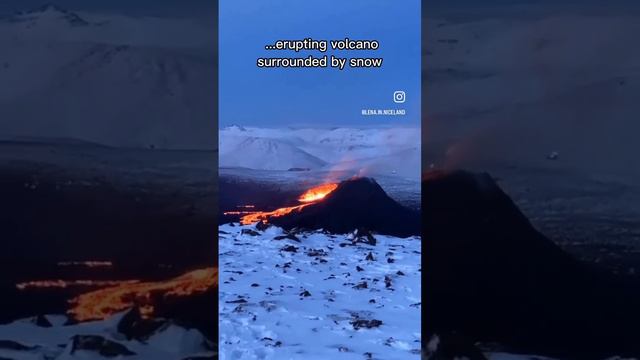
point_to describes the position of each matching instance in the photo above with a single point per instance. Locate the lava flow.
(101, 304)
(309, 197)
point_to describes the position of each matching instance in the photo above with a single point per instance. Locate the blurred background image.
(108, 166)
(534, 249)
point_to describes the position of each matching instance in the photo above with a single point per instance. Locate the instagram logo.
(399, 97)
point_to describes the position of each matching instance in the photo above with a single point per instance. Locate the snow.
(511, 91)
(272, 155)
(265, 315)
(508, 87)
(159, 72)
(365, 151)
(54, 23)
(170, 342)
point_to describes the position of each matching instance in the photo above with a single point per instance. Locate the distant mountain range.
(365, 151)
(115, 80)
(47, 12)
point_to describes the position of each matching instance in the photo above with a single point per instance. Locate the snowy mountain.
(365, 151)
(48, 13)
(314, 295)
(268, 154)
(115, 80)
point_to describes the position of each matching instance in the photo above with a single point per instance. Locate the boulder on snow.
(99, 344)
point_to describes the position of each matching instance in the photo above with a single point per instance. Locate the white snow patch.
(264, 313)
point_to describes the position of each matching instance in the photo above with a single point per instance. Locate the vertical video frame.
(319, 180)
(108, 170)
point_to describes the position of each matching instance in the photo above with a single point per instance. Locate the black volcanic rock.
(14, 346)
(364, 236)
(134, 326)
(356, 203)
(452, 346)
(262, 226)
(490, 276)
(197, 311)
(365, 324)
(42, 321)
(100, 345)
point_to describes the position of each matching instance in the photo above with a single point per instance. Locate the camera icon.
(399, 97)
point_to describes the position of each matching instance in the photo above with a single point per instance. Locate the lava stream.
(309, 197)
(103, 303)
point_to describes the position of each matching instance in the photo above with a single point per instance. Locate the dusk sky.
(321, 96)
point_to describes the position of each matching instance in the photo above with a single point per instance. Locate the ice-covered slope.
(112, 80)
(318, 296)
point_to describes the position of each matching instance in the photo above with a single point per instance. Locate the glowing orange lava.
(317, 193)
(309, 197)
(101, 304)
(257, 216)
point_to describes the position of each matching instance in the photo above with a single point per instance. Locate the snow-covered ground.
(314, 297)
(29, 340)
(369, 151)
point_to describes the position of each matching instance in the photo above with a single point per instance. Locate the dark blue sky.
(291, 97)
(524, 8)
(165, 8)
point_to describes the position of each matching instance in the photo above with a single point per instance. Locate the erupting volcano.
(341, 208)
(355, 203)
(309, 197)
